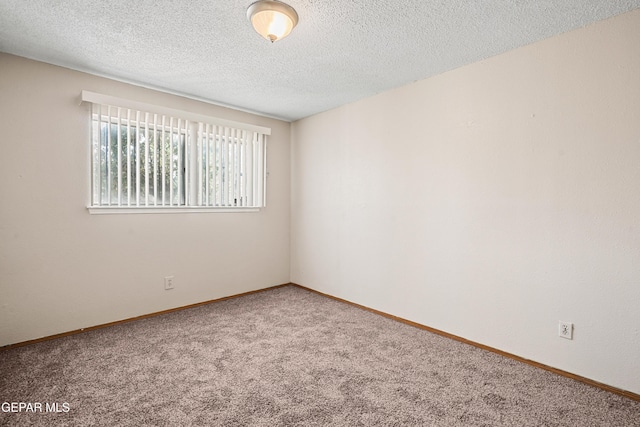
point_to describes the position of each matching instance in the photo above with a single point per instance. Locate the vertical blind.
(152, 159)
(231, 166)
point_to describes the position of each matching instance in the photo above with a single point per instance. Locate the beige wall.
(490, 202)
(62, 269)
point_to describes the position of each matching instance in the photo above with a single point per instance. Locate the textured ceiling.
(341, 50)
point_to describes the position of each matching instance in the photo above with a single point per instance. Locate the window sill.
(106, 210)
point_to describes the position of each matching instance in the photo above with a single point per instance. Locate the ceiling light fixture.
(273, 20)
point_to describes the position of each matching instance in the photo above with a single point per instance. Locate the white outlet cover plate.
(565, 330)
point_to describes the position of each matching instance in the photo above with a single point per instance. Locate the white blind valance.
(98, 98)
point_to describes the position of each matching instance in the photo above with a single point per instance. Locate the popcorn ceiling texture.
(340, 52)
(289, 357)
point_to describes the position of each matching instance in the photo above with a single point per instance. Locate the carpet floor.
(287, 357)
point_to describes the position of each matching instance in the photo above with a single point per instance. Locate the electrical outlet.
(168, 283)
(565, 330)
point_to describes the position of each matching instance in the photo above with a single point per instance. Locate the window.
(147, 158)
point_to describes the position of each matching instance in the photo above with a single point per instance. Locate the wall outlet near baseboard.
(565, 330)
(168, 283)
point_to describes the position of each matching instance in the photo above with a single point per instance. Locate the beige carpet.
(288, 357)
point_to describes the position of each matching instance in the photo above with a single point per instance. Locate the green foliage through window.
(142, 159)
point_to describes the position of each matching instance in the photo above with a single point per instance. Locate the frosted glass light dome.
(273, 20)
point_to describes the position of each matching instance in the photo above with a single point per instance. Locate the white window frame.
(207, 139)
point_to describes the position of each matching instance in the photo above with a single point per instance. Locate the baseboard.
(539, 365)
(131, 319)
